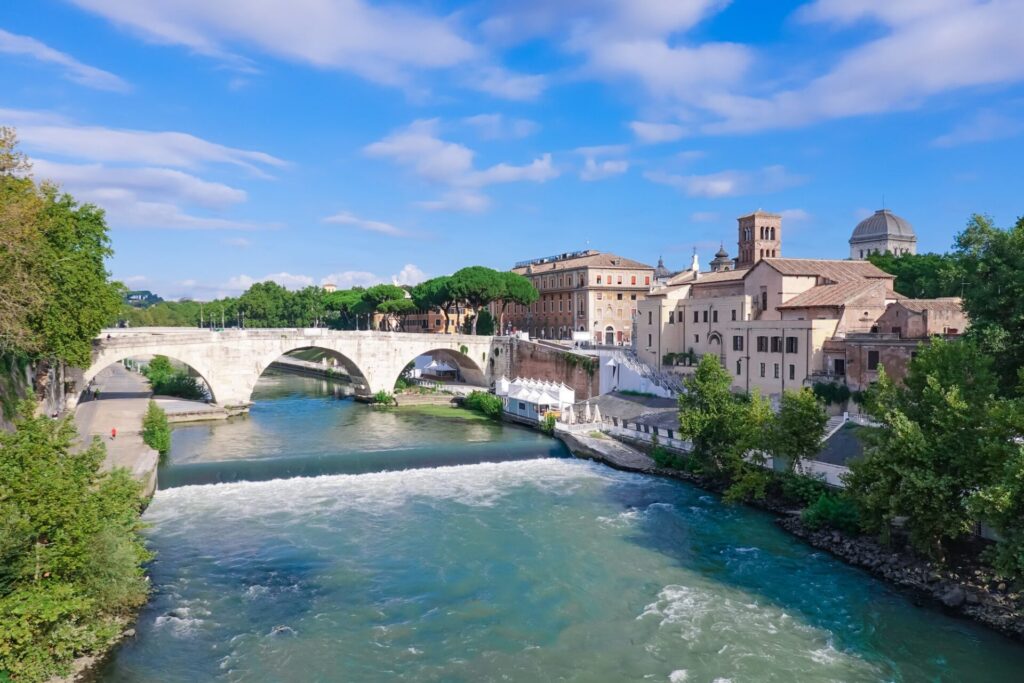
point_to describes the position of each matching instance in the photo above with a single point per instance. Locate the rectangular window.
(671, 317)
(649, 342)
(696, 317)
(776, 371)
(762, 344)
(734, 314)
(650, 317)
(739, 367)
(598, 279)
(522, 406)
(632, 297)
(560, 304)
(632, 280)
(600, 295)
(776, 344)
(791, 344)
(696, 339)
(619, 296)
(618, 280)
(762, 369)
(737, 343)
(647, 280)
(897, 331)
(714, 316)
(792, 372)
(872, 360)
(705, 316)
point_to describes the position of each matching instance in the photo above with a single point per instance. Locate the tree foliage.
(944, 435)
(70, 549)
(921, 276)
(990, 262)
(156, 432)
(476, 286)
(166, 380)
(55, 295)
(794, 433)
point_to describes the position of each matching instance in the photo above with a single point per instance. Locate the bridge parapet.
(231, 361)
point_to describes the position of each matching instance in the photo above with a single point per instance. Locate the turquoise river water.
(321, 540)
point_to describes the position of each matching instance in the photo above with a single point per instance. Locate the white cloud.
(469, 201)
(731, 183)
(654, 133)
(599, 170)
(985, 126)
(159, 183)
(501, 127)
(382, 43)
(795, 215)
(508, 85)
(409, 275)
(347, 279)
(47, 133)
(347, 218)
(238, 242)
(240, 283)
(927, 48)
(74, 70)
(419, 148)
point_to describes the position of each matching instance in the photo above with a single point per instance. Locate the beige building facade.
(782, 323)
(586, 291)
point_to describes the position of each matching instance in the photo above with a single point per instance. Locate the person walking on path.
(113, 433)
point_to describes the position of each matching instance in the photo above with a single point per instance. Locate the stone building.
(584, 291)
(881, 232)
(782, 323)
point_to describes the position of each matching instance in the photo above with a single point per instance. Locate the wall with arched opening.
(113, 359)
(347, 368)
(468, 370)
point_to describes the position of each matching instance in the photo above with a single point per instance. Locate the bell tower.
(760, 236)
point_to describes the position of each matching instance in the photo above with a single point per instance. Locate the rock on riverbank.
(971, 591)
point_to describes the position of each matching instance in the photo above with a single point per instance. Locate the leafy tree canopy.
(921, 276)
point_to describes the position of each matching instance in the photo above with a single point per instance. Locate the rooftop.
(579, 259)
(951, 303)
(880, 225)
(830, 269)
(838, 294)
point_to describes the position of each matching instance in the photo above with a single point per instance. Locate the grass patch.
(446, 412)
(597, 435)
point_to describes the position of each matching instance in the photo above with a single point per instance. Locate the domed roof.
(880, 225)
(721, 253)
(661, 271)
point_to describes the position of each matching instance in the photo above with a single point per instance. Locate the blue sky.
(355, 142)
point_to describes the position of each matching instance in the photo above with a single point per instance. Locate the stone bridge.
(231, 361)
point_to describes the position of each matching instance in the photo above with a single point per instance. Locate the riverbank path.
(124, 396)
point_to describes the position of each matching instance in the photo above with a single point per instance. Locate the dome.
(721, 253)
(881, 225)
(661, 271)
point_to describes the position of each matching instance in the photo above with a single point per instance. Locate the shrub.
(833, 512)
(156, 432)
(383, 398)
(799, 489)
(483, 402)
(832, 393)
(165, 380)
(547, 425)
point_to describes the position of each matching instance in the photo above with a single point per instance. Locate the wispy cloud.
(985, 126)
(731, 183)
(419, 148)
(654, 133)
(347, 218)
(73, 70)
(501, 127)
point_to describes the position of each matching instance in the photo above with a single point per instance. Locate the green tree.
(515, 289)
(724, 428)
(476, 286)
(436, 294)
(485, 325)
(944, 436)
(1001, 504)
(921, 276)
(70, 548)
(990, 261)
(156, 432)
(795, 432)
(389, 301)
(342, 306)
(265, 304)
(306, 307)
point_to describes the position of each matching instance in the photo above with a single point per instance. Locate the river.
(417, 548)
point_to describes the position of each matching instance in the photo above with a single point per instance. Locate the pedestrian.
(113, 433)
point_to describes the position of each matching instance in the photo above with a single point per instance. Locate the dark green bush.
(832, 512)
(799, 489)
(483, 402)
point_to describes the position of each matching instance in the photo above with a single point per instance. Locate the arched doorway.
(609, 335)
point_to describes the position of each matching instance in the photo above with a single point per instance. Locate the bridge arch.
(358, 378)
(469, 370)
(117, 356)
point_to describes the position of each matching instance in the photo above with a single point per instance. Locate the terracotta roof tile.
(950, 303)
(831, 269)
(838, 294)
(594, 260)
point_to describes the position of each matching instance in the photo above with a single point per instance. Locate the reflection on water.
(547, 569)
